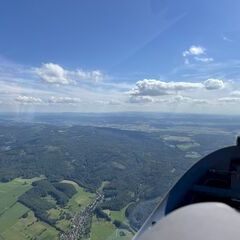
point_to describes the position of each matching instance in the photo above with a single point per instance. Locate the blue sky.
(138, 55)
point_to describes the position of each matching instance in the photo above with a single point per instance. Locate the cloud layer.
(55, 88)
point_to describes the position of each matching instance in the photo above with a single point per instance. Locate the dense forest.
(134, 168)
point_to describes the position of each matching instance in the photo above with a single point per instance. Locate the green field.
(10, 191)
(118, 215)
(30, 228)
(104, 230)
(81, 199)
(11, 216)
(10, 209)
(12, 223)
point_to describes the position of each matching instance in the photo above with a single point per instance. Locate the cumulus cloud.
(63, 100)
(153, 87)
(194, 50)
(56, 74)
(28, 100)
(53, 73)
(213, 84)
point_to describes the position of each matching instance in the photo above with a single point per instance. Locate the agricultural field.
(30, 228)
(11, 216)
(10, 191)
(104, 230)
(18, 220)
(118, 215)
(15, 218)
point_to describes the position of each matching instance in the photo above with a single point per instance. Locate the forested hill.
(136, 164)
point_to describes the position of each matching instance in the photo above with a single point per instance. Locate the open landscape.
(18, 220)
(56, 185)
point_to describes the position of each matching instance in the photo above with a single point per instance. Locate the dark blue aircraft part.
(215, 178)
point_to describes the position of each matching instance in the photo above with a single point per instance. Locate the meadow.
(15, 218)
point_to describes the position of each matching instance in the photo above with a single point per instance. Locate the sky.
(114, 56)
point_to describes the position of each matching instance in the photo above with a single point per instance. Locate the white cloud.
(108, 102)
(194, 50)
(153, 87)
(213, 84)
(175, 99)
(55, 74)
(52, 100)
(204, 59)
(140, 99)
(28, 100)
(196, 53)
(63, 100)
(180, 99)
(200, 101)
(229, 100)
